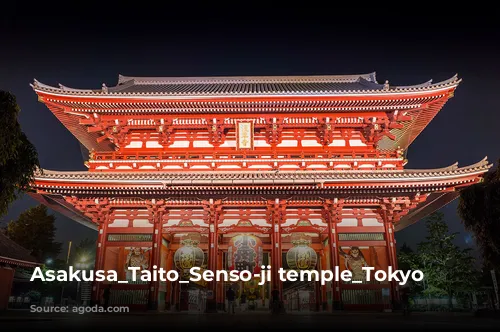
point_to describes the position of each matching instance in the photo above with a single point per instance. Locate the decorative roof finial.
(104, 88)
(386, 85)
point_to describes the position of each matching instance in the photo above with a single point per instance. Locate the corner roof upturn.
(247, 86)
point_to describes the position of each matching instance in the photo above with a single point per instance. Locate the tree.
(84, 253)
(448, 269)
(50, 288)
(479, 209)
(34, 229)
(18, 157)
(408, 260)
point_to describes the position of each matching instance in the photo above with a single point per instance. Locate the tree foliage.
(34, 229)
(479, 209)
(448, 269)
(84, 253)
(408, 260)
(18, 157)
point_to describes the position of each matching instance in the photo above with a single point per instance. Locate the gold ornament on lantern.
(301, 256)
(188, 256)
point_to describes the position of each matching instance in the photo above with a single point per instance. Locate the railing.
(362, 296)
(129, 296)
(130, 237)
(182, 154)
(361, 237)
(189, 159)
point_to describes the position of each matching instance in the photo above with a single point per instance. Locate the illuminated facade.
(245, 165)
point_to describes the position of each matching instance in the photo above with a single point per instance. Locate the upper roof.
(170, 96)
(13, 253)
(320, 85)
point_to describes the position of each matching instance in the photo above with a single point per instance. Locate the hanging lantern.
(301, 256)
(188, 256)
(245, 253)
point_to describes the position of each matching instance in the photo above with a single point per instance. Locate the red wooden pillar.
(276, 254)
(155, 259)
(324, 266)
(213, 249)
(100, 256)
(317, 296)
(391, 254)
(334, 262)
(177, 295)
(220, 296)
(169, 285)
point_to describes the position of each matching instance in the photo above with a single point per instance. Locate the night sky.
(84, 48)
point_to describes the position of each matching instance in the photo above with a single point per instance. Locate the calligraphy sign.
(244, 135)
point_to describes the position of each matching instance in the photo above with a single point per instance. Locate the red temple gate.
(260, 157)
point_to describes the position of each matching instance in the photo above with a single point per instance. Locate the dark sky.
(85, 47)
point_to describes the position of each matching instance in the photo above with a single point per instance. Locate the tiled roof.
(13, 253)
(277, 177)
(247, 86)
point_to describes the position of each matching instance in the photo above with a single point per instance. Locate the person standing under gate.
(230, 295)
(106, 296)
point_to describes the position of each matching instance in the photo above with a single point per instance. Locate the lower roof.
(14, 254)
(154, 179)
(51, 187)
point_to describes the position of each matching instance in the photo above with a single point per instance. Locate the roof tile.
(12, 250)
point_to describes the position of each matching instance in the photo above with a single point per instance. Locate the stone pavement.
(13, 321)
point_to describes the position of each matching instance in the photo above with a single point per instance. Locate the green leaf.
(18, 157)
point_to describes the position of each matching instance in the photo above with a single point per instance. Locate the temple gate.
(232, 172)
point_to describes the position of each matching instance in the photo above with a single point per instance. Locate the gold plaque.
(244, 135)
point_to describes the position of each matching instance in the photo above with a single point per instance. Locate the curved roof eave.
(114, 92)
(446, 173)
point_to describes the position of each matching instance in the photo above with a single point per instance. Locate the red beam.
(364, 229)
(128, 244)
(362, 243)
(130, 230)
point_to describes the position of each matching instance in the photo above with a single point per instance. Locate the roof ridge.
(348, 78)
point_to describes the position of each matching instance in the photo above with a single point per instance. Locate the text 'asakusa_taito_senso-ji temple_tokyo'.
(224, 173)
